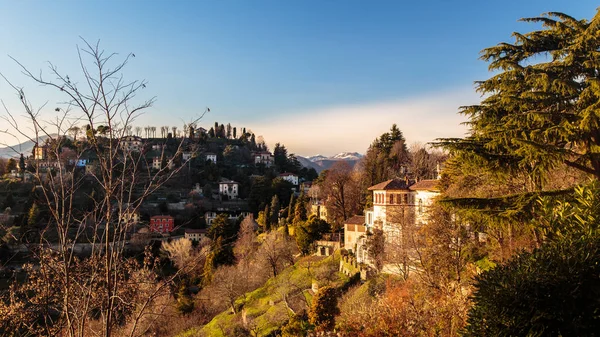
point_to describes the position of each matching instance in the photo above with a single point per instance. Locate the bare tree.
(341, 192)
(277, 251)
(184, 255)
(174, 131)
(138, 130)
(227, 285)
(103, 292)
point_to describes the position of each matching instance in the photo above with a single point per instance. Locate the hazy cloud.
(335, 129)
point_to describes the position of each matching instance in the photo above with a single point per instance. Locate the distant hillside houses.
(263, 157)
(229, 188)
(131, 143)
(212, 157)
(290, 177)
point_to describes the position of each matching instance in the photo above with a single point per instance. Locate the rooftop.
(392, 184)
(356, 220)
(427, 185)
(195, 231)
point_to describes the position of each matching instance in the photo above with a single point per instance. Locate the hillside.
(269, 307)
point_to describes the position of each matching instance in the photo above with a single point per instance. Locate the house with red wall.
(162, 224)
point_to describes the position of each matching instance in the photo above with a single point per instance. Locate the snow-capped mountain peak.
(339, 156)
(317, 158)
(348, 156)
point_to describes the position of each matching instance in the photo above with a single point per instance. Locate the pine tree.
(538, 111)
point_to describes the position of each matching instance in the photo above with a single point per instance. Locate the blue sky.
(318, 76)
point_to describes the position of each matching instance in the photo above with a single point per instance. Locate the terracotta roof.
(161, 217)
(429, 185)
(285, 174)
(356, 220)
(195, 231)
(392, 184)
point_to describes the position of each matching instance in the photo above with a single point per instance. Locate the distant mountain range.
(15, 151)
(320, 162)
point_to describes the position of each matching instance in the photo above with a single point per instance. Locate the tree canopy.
(542, 106)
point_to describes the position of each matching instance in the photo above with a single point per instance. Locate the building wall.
(228, 189)
(291, 178)
(162, 224)
(212, 157)
(352, 232)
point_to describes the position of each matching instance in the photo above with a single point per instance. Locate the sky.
(320, 77)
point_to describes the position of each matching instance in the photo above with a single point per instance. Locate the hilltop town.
(110, 228)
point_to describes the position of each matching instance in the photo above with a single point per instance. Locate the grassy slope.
(264, 307)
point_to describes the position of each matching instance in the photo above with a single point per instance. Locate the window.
(391, 198)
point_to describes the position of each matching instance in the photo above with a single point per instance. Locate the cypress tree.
(274, 215)
(291, 209)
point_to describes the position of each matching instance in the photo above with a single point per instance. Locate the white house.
(131, 143)
(229, 188)
(196, 235)
(425, 191)
(211, 156)
(354, 229)
(396, 203)
(290, 177)
(391, 205)
(157, 161)
(264, 157)
(231, 216)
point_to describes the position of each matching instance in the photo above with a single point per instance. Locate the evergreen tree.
(274, 219)
(33, 216)
(228, 130)
(267, 222)
(262, 220)
(11, 165)
(324, 308)
(21, 163)
(223, 234)
(185, 303)
(234, 132)
(538, 111)
(300, 210)
(291, 209)
(211, 133)
(280, 157)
